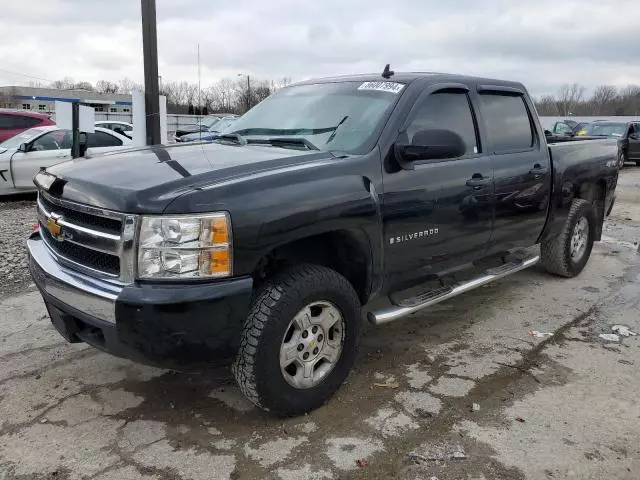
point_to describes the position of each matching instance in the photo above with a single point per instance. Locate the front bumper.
(178, 326)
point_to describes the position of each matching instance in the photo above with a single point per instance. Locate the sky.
(543, 43)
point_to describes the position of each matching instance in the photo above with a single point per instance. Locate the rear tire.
(567, 254)
(296, 308)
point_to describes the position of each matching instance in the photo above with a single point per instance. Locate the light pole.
(151, 87)
(248, 90)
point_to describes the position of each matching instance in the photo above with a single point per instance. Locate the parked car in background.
(123, 128)
(627, 133)
(581, 128)
(22, 156)
(568, 128)
(202, 126)
(13, 122)
(216, 129)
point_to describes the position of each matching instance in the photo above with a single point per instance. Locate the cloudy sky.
(543, 43)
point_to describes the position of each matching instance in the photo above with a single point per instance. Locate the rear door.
(521, 167)
(51, 148)
(439, 214)
(633, 152)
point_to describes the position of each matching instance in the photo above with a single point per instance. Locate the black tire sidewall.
(270, 383)
(587, 212)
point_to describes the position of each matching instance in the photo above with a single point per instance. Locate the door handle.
(478, 181)
(538, 170)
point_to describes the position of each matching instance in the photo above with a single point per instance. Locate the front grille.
(87, 238)
(87, 257)
(104, 224)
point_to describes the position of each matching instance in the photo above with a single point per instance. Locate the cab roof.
(409, 77)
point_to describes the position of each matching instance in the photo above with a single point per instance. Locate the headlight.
(185, 247)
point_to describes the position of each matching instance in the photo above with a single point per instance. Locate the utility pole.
(151, 87)
(75, 130)
(199, 90)
(248, 94)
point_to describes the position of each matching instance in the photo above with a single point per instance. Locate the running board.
(427, 299)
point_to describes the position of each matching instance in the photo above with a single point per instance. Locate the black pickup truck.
(265, 248)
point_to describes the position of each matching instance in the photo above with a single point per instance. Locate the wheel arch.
(347, 251)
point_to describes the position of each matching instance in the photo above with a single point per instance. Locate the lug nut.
(315, 351)
(320, 337)
(314, 329)
(306, 355)
(305, 334)
(300, 347)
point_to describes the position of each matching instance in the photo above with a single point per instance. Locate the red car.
(13, 122)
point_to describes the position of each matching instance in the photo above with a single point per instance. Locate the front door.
(439, 215)
(51, 148)
(633, 151)
(522, 170)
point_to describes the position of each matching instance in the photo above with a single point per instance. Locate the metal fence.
(174, 121)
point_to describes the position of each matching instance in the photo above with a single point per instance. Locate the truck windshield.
(606, 129)
(331, 116)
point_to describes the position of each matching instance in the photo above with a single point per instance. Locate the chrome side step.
(427, 299)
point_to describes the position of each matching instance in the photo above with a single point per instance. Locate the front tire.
(622, 158)
(299, 340)
(567, 254)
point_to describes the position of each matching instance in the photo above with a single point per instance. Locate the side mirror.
(430, 145)
(24, 148)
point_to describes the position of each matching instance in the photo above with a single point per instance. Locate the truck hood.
(146, 180)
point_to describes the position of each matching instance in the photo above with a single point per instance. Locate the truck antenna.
(387, 73)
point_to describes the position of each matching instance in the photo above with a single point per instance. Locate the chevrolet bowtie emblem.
(54, 228)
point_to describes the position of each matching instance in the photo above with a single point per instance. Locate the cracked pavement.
(559, 406)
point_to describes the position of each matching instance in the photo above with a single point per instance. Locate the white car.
(123, 128)
(22, 156)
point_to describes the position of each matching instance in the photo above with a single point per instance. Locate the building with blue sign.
(43, 99)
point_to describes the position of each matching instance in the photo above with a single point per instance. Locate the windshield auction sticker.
(391, 87)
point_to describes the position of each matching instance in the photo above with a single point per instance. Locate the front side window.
(54, 140)
(562, 129)
(340, 116)
(508, 122)
(446, 111)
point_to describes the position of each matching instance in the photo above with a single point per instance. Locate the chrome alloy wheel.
(312, 345)
(579, 239)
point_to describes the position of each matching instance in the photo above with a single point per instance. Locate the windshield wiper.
(335, 130)
(230, 137)
(285, 142)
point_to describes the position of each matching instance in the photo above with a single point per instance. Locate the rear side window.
(101, 139)
(508, 122)
(12, 122)
(5, 122)
(448, 111)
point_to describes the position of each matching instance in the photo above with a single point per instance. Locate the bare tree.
(604, 100)
(569, 97)
(224, 96)
(629, 101)
(66, 83)
(83, 86)
(106, 86)
(126, 85)
(547, 105)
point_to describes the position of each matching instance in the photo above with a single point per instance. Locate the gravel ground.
(17, 216)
